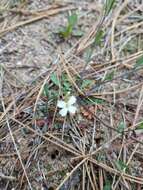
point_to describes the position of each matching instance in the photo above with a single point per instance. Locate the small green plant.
(109, 76)
(46, 90)
(51, 90)
(139, 62)
(67, 31)
(49, 167)
(66, 86)
(50, 93)
(121, 165)
(62, 173)
(107, 185)
(97, 42)
(140, 126)
(93, 101)
(108, 6)
(121, 127)
(55, 79)
(98, 37)
(86, 84)
(131, 46)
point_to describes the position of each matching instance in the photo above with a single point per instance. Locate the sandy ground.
(29, 52)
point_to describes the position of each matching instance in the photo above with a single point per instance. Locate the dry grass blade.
(9, 178)
(69, 174)
(42, 87)
(69, 75)
(126, 90)
(71, 113)
(64, 146)
(128, 162)
(113, 26)
(126, 176)
(11, 134)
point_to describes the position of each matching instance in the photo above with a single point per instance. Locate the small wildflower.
(67, 106)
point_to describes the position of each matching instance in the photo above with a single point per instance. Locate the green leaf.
(72, 19)
(53, 94)
(93, 101)
(98, 37)
(54, 79)
(140, 126)
(46, 90)
(107, 186)
(120, 165)
(109, 76)
(139, 62)
(121, 127)
(66, 86)
(64, 78)
(65, 83)
(67, 31)
(97, 42)
(108, 6)
(86, 83)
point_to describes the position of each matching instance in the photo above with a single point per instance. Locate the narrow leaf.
(109, 6)
(86, 83)
(109, 76)
(54, 79)
(120, 165)
(67, 31)
(107, 186)
(121, 127)
(98, 37)
(139, 62)
(72, 19)
(94, 101)
(46, 90)
(140, 126)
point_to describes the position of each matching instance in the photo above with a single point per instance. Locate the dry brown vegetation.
(95, 52)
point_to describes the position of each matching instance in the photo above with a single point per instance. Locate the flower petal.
(63, 112)
(72, 100)
(72, 109)
(61, 104)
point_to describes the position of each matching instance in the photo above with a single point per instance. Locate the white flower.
(67, 106)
